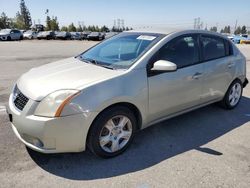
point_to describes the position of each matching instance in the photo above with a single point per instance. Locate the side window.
(213, 47)
(183, 51)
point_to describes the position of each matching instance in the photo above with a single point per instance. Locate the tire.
(116, 139)
(232, 96)
(21, 38)
(8, 38)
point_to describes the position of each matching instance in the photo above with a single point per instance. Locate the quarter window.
(213, 47)
(183, 51)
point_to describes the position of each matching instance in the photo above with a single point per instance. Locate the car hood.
(69, 73)
(4, 34)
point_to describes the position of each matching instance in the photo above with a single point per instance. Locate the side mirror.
(162, 65)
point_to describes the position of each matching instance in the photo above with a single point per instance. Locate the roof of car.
(168, 31)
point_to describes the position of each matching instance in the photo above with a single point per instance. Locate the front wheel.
(233, 95)
(112, 132)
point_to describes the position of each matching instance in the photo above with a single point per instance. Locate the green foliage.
(4, 21)
(25, 15)
(104, 29)
(72, 28)
(79, 29)
(64, 28)
(237, 31)
(214, 29)
(227, 29)
(244, 30)
(22, 19)
(48, 20)
(52, 24)
(19, 23)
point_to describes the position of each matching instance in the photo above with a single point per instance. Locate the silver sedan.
(100, 98)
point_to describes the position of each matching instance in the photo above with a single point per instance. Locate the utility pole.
(122, 23)
(236, 24)
(198, 22)
(119, 23)
(115, 24)
(195, 23)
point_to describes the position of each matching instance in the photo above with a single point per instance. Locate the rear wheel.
(112, 132)
(8, 38)
(233, 95)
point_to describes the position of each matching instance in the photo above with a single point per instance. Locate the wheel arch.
(128, 105)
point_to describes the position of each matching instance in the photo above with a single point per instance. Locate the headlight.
(53, 104)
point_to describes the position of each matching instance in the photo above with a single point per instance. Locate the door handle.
(196, 76)
(230, 65)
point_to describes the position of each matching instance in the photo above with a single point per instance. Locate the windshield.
(5, 31)
(121, 51)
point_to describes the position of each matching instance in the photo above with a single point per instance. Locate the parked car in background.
(244, 35)
(100, 98)
(63, 35)
(46, 35)
(237, 39)
(245, 41)
(30, 34)
(10, 34)
(76, 36)
(110, 34)
(85, 35)
(230, 37)
(96, 36)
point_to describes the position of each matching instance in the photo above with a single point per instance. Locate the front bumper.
(50, 135)
(3, 38)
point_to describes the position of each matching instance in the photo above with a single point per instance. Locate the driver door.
(172, 92)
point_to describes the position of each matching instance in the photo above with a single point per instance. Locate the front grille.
(20, 100)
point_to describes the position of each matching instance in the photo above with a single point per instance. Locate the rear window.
(213, 47)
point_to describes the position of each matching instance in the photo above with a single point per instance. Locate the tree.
(64, 28)
(19, 23)
(79, 29)
(244, 30)
(23, 17)
(226, 29)
(104, 29)
(214, 29)
(72, 28)
(237, 31)
(48, 20)
(54, 25)
(4, 21)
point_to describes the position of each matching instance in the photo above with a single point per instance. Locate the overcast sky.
(174, 13)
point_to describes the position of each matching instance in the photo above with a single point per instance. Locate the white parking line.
(2, 109)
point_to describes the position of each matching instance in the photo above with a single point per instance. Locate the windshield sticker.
(146, 37)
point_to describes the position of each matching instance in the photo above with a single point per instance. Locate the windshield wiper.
(93, 61)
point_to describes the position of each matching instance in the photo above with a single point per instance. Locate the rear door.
(218, 66)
